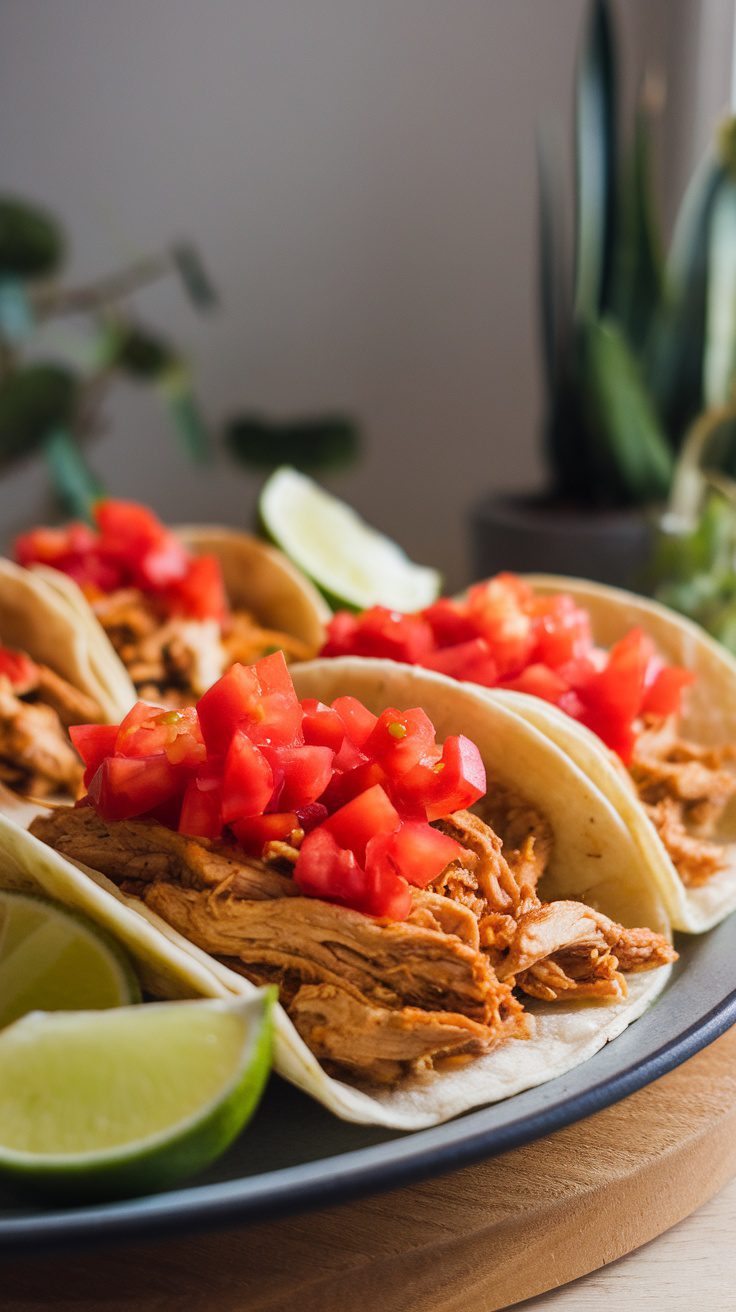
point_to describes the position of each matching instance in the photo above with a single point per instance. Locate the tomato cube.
(247, 783)
(367, 814)
(300, 774)
(201, 809)
(321, 725)
(400, 739)
(359, 722)
(415, 851)
(124, 787)
(255, 831)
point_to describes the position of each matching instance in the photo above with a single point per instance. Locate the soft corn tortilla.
(594, 858)
(44, 614)
(258, 578)
(709, 717)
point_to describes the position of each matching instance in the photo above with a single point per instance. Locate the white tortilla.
(709, 717)
(594, 857)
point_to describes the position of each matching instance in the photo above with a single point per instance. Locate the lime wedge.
(54, 959)
(352, 563)
(104, 1104)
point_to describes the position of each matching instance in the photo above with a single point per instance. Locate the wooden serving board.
(484, 1237)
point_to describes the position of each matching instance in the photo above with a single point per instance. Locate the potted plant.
(635, 345)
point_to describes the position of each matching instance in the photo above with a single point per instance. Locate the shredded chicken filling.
(375, 1000)
(685, 789)
(36, 756)
(174, 660)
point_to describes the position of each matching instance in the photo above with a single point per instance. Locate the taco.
(429, 957)
(177, 606)
(642, 699)
(50, 678)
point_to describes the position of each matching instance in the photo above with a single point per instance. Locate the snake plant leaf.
(720, 328)
(555, 301)
(595, 165)
(638, 283)
(632, 453)
(194, 276)
(34, 400)
(32, 243)
(676, 349)
(321, 442)
(76, 486)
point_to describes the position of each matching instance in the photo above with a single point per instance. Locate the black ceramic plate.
(295, 1156)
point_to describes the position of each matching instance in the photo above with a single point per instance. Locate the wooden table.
(473, 1241)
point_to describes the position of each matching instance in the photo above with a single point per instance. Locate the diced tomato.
(147, 730)
(449, 623)
(359, 722)
(300, 774)
(538, 681)
(324, 869)
(201, 808)
(322, 727)
(347, 784)
(664, 693)
(93, 742)
(247, 783)
(20, 671)
(356, 823)
(562, 631)
(379, 632)
(500, 610)
(400, 739)
(124, 787)
(454, 782)
(415, 851)
(254, 832)
(231, 702)
(200, 592)
(471, 661)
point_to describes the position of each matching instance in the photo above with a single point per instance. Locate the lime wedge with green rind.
(353, 564)
(110, 1104)
(55, 959)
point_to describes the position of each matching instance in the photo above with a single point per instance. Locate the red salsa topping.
(502, 635)
(130, 548)
(251, 764)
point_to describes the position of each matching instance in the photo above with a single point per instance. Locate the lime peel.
(54, 958)
(96, 1105)
(352, 563)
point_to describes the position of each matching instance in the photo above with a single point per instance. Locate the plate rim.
(357, 1173)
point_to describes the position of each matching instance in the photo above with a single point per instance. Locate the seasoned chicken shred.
(685, 789)
(376, 999)
(173, 660)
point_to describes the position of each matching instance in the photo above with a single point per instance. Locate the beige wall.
(360, 174)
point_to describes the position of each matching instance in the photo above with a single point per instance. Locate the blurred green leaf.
(720, 328)
(638, 282)
(140, 353)
(34, 400)
(553, 294)
(194, 275)
(322, 442)
(74, 483)
(32, 243)
(17, 320)
(176, 390)
(676, 349)
(595, 161)
(631, 450)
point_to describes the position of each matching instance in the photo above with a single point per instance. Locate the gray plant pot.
(528, 534)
